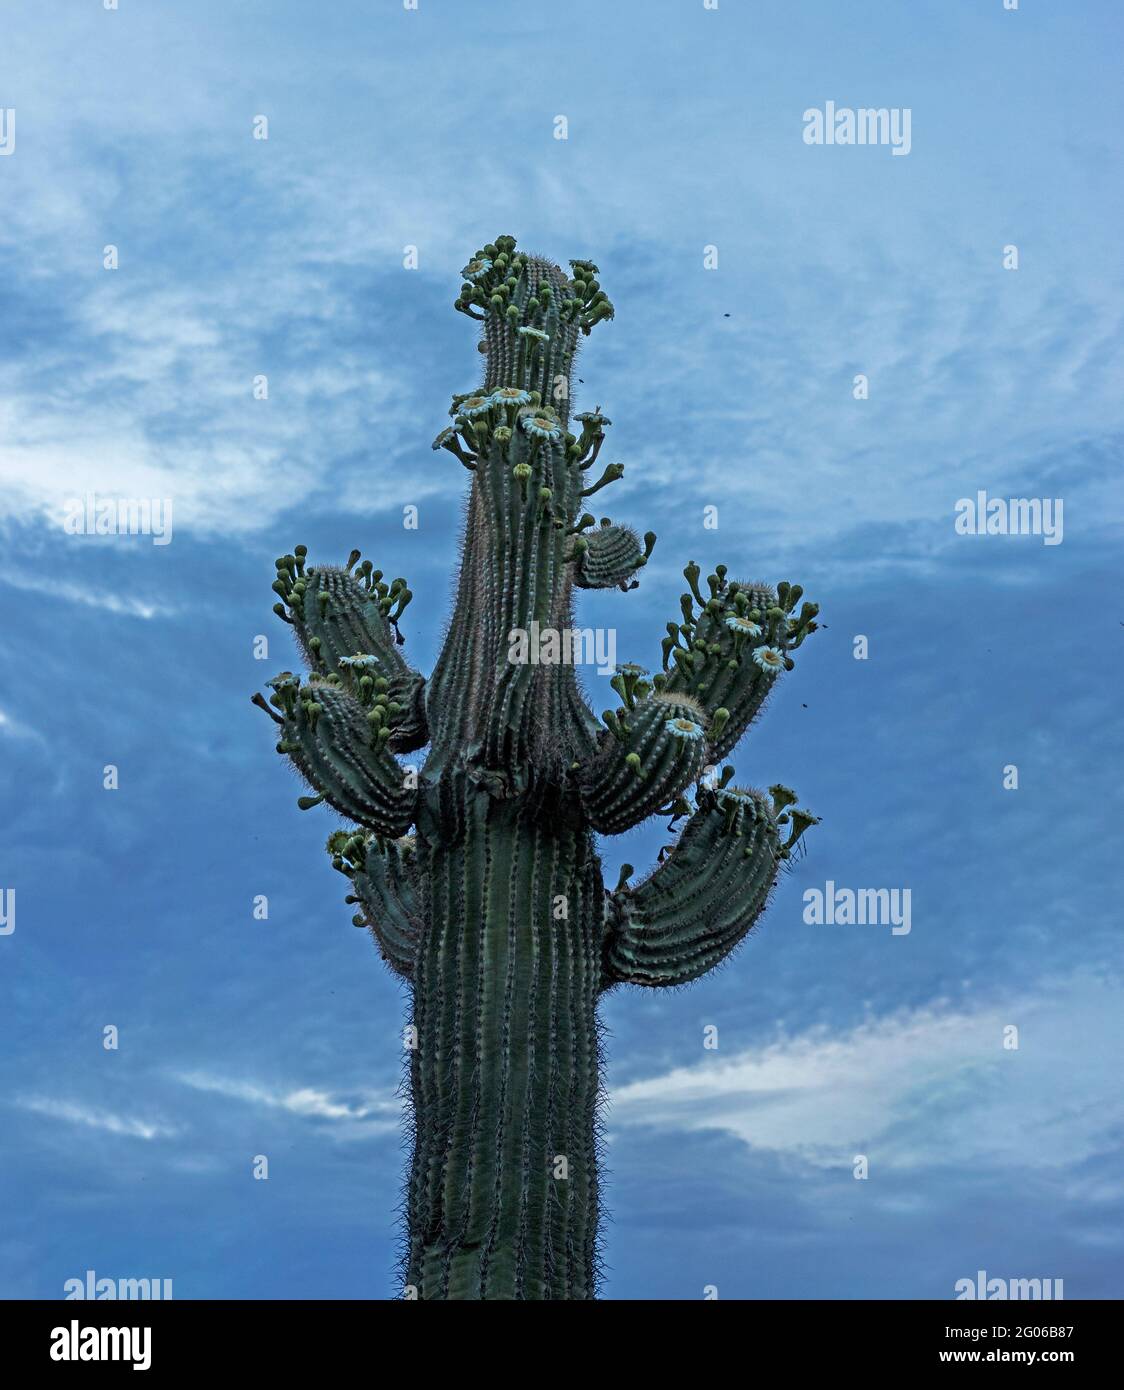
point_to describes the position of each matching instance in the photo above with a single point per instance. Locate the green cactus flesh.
(478, 877)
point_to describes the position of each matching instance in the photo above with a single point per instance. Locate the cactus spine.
(478, 877)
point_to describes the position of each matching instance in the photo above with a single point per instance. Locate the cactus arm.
(730, 647)
(337, 738)
(705, 896)
(336, 614)
(610, 556)
(383, 888)
(720, 662)
(654, 749)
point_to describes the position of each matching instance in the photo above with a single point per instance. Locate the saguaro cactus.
(478, 876)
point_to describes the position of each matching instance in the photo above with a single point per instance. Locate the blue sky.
(434, 128)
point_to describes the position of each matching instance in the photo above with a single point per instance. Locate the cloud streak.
(917, 1088)
(70, 1112)
(375, 1112)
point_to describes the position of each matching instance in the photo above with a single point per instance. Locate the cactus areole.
(478, 875)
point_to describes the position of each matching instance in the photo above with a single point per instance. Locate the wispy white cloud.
(919, 1088)
(374, 1111)
(15, 728)
(158, 402)
(87, 596)
(107, 1120)
(978, 376)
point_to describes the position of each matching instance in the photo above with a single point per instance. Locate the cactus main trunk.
(502, 1199)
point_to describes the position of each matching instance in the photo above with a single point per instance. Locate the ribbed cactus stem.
(503, 1187)
(493, 909)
